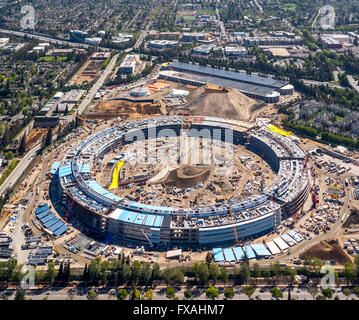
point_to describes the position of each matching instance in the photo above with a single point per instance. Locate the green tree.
(213, 271)
(224, 276)
(209, 258)
(276, 293)
(20, 294)
(347, 292)
(22, 145)
(201, 272)
(356, 291)
(244, 272)
(149, 294)
(50, 273)
(328, 293)
(212, 293)
(135, 295)
(92, 295)
(229, 293)
(170, 293)
(248, 291)
(156, 271)
(349, 272)
(8, 155)
(122, 294)
(188, 293)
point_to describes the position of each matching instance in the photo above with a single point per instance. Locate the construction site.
(260, 195)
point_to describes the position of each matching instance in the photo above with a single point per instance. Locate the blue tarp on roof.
(61, 230)
(54, 168)
(65, 171)
(239, 253)
(102, 191)
(158, 221)
(150, 220)
(249, 252)
(228, 253)
(41, 209)
(140, 218)
(218, 254)
(84, 168)
(127, 216)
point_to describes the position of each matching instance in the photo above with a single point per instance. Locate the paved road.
(353, 83)
(97, 85)
(319, 83)
(159, 294)
(20, 168)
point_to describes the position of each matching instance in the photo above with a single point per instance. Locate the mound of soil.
(327, 250)
(187, 176)
(352, 219)
(226, 104)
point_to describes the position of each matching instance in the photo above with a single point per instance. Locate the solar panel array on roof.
(50, 222)
(56, 226)
(288, 239)
(242, 77)
(44, 214)
(41, 209)
(47, 218)
(295, 235)
(60, 230)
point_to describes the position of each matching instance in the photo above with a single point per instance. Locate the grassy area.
(52, 59)
(210, 12)
(339, 118)
(188, 18)
(8, 171)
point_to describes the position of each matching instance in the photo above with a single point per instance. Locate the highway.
(198, 293)
(46, 39)
(26, 160)
(353, 83)
(97, 85)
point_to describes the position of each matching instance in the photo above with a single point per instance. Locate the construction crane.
(49, 238)
(229, 198)
(69, 210)
(148, 239)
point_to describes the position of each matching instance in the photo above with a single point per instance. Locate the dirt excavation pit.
(218, 102)
(327, 250)
(188, 176)
(115, 108)
(353, 219)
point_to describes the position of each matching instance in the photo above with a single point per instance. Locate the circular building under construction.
(227, 221)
